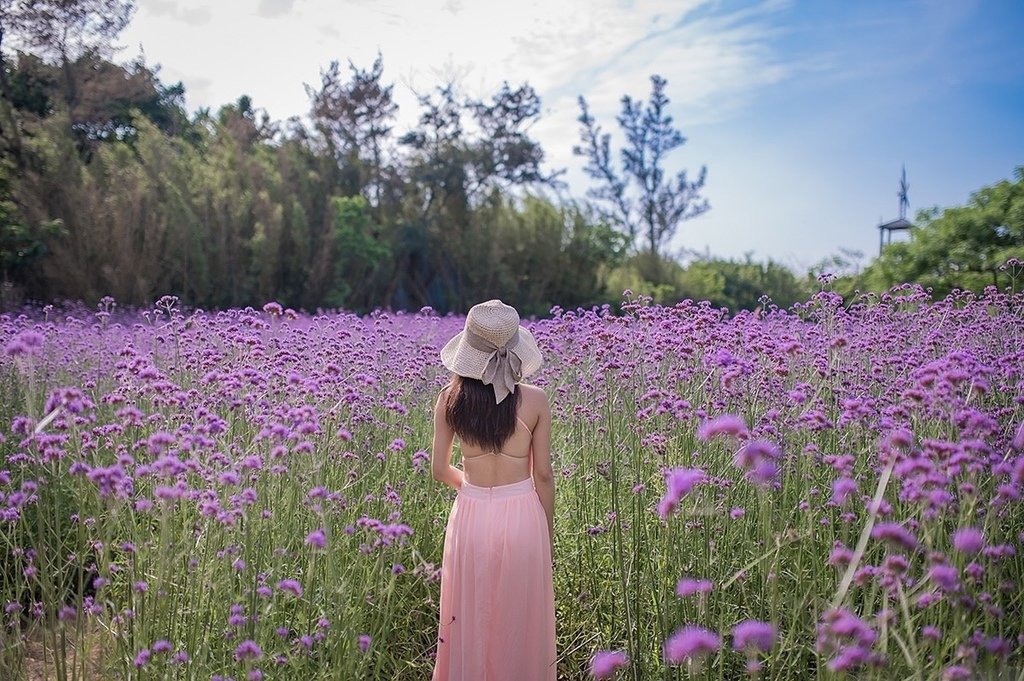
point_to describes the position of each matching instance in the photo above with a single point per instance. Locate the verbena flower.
(753, 634)
(363, 642)
(900, 438)
(727, 424)
(764, 472)
(688, 587)
(248, 650)
(946, 577)
(842, 488)
(968, 540)
(290, 586)
(317, 538)
(691, 643)
(848, 639)
(754, 452)
(678, 483)
(895, 535)
(605, 663)
(27, 342)
(142, 657)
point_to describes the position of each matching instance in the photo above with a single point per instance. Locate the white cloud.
(600, 48)
(159, 11)
(196, 16)
(161, 7)
(274, 8)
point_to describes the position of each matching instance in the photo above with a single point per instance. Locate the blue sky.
(803, 111)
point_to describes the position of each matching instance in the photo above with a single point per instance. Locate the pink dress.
(497, 597)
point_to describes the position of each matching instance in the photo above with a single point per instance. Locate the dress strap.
(528, 429)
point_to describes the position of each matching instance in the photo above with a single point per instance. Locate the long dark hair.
(471, 412)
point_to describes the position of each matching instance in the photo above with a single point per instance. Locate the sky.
(803, 111)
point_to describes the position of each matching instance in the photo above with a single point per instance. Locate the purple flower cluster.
(727, 424)
(28, 342)
(895, 535)
(759, 459)
(678, 483)
(690, 587)
(848, 640)
(605, 663)
(691, 643)
(753, 635)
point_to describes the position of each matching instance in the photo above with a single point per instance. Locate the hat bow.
(504, 366)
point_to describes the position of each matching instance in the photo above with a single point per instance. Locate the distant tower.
(904, 187)
(901, 223)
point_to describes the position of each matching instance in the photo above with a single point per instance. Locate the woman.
(497, 599)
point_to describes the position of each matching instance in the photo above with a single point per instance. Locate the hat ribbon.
(504, 366)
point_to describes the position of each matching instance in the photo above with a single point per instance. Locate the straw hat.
(493, 348)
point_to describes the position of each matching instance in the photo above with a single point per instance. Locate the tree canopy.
(965, 247)
(118, 191)
(109, 187)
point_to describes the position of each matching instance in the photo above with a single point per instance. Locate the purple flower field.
(823, 492)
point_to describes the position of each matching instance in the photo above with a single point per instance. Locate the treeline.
(108, 186)
(133, 199)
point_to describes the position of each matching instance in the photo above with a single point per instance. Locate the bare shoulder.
(532, 392)
(442, 397)
(534, 398)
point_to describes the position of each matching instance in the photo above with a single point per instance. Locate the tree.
(357, 252)
(640, 198)
(66, 30)
(22, 245)
(455, 171)
(500, 155)
(960, 247)
(354, 120)
(505, 154)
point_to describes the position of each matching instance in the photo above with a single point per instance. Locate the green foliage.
(733, 284)
(113, 190)
(32, 84)
(549, 255)
(962, 247)
(357, 246)
(21, 245)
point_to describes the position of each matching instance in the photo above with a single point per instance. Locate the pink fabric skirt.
(497, 598)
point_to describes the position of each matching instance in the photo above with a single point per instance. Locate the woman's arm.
(543, 476)
(441, 467)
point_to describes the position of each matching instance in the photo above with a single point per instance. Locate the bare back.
(514, 461)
